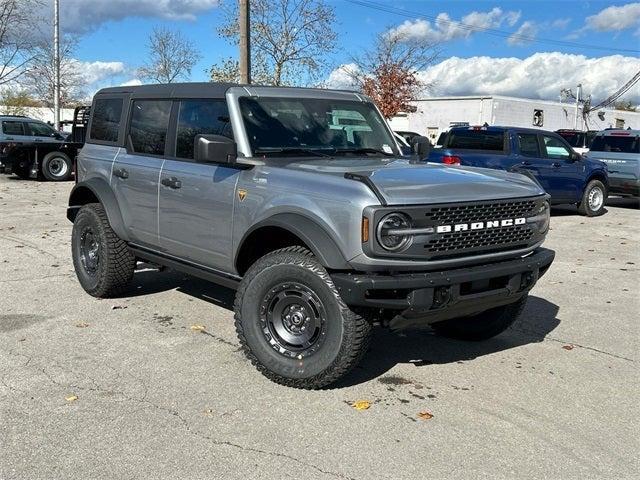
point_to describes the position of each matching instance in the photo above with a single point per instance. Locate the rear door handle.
(121, 173)
(556, 165)
(172, 182)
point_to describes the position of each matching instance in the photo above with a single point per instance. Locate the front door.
(196, 199)
(561, 169)
(135, 173)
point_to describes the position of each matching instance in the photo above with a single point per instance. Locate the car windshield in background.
(611, 143)
(276, 126)
(575, 139)
(475, 140)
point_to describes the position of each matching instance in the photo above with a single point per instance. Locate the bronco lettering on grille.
(461, 227)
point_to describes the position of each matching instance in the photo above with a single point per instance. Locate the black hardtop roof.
(500, 128)
(209, 89)
(196, 89)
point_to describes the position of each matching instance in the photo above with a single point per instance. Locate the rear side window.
(106, 119)
(622, 144)
(149, 124)
(13, 128)
(200, 117)
(475, 140)
(529, 146)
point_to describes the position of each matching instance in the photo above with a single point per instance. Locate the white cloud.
(95, 72)
(561, 23)
(80, 16)
(131, 83)
(542, 75)
(525, 34)
(615, 18)
(341, 77)
(445, 28)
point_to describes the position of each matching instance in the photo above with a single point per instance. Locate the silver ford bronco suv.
(300, 200)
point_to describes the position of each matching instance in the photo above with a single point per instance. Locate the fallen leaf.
(361, 405)
(71, 398)
(208, 411)
(198, 328)
(82, 325)
(568, 347)
(424, 415)
(118, 307)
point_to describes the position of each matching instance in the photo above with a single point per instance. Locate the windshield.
(614, 143)
(312, 125)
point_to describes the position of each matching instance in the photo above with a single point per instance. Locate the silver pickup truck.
(620, 150)
(300, 201)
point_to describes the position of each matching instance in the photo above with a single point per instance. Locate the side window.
(200, 117)
(555, 148)
(13, 128)
(106, 119)
(149, 123)
(41, 130)
(529, 146)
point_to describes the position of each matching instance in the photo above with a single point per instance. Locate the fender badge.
(242, 194)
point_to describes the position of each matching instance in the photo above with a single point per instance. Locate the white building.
(438, 114)
(43, 114)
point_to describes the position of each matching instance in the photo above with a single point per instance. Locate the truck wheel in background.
(593, 198)
(482, 326)
(56, 167)
(292, 324)
(103, 262)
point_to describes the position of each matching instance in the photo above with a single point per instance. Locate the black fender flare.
(100, 189)
(313, 235)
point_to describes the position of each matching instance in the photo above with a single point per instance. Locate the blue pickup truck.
(565, 175)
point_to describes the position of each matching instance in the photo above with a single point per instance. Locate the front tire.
(56, 167)
(481, 326)
(593, 199)
(103, 262)
(292, 324)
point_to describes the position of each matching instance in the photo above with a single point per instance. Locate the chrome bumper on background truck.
(428, 297)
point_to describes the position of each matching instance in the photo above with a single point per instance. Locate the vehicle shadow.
(419, 347)
(422, 347)
(624, 202)
(568, 211)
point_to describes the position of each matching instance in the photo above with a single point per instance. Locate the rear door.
(136, 170)
(196, 199)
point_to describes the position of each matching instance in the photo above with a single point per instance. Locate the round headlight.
(387, 232)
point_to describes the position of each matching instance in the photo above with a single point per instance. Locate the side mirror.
(575, 157)
(420, 146)
(214, 149)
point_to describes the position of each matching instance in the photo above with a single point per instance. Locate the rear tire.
(56, 167)
(293, 325)
(593, 199)
(103, 262)
(482, 326)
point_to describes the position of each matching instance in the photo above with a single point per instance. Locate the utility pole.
(56, 64)
(245, 42)
(578, 95)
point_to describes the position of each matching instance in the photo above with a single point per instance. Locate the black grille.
(481, 212)
(452, 243)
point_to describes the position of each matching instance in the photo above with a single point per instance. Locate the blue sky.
(110, 35)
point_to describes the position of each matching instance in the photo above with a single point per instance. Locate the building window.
(538, 118)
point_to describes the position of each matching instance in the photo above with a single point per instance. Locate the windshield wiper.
(311, 151)
(364, 150)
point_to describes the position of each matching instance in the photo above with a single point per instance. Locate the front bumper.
(429, 297)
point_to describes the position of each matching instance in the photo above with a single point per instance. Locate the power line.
(487, 30)
(615, 96)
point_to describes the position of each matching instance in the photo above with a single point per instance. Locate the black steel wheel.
(56, 167)
(292, 323)
(103, 262)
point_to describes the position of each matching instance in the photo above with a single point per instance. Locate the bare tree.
(389, 72)
(290, 41)
(40, 78)
(171, 57)
(17, 37)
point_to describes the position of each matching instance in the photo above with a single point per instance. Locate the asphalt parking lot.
(133, 388)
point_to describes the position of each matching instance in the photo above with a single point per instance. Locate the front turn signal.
(365, 230)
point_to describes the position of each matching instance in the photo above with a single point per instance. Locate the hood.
(405, 182)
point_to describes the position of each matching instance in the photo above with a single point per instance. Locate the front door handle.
(121, 173)
(172, 182)
(556, 165)
(526, 163)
